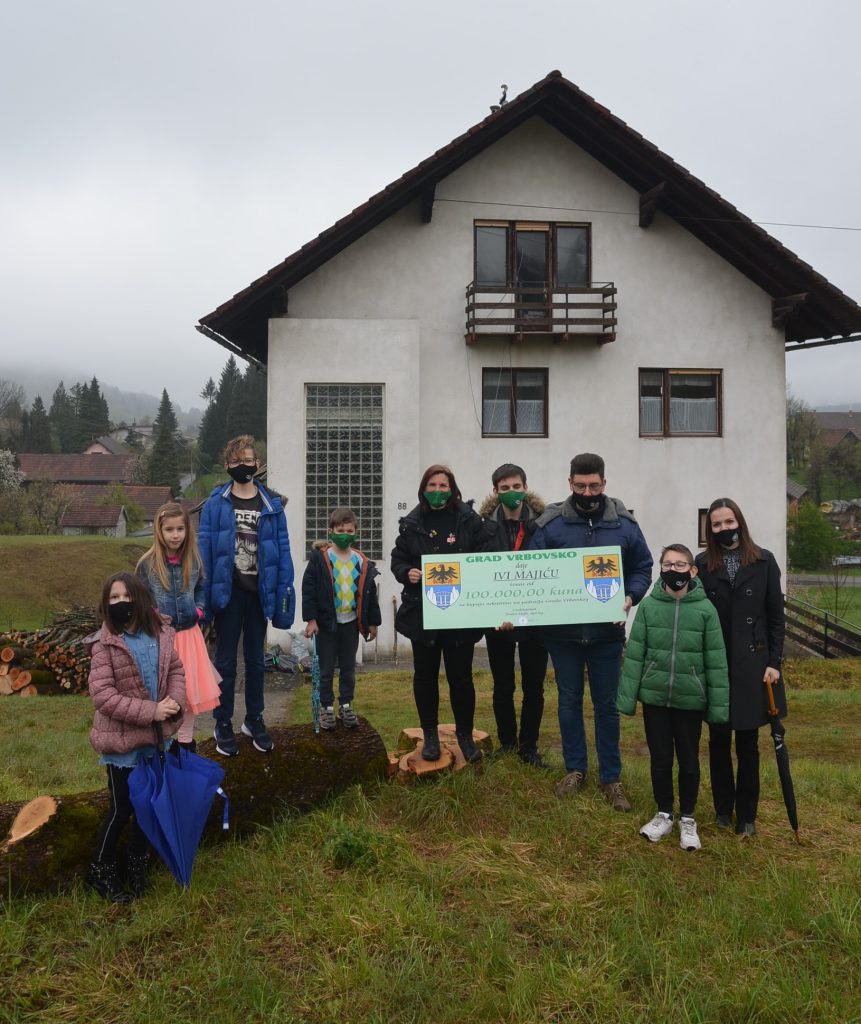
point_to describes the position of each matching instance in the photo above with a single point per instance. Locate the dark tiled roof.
(242, 322)
(839, 420)
(150, 499)
(113, 447)
(795, 490)
(835, 436)
(76, 469)
(83, 512)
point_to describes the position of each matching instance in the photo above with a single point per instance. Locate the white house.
(548, 283)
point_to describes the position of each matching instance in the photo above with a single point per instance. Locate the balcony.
(565, 314)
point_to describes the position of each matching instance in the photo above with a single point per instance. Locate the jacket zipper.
(699, 683)
(673, 655)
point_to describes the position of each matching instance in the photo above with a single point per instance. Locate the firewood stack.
(50, 660)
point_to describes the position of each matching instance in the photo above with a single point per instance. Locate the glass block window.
(344, 460)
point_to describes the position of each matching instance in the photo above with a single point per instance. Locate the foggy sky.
(159, 157)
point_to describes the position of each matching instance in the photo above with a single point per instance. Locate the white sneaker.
(689, 838)
(661, 825)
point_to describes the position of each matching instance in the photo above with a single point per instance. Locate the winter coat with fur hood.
(124, 711)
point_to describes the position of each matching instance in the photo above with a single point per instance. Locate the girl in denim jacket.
(173, 571)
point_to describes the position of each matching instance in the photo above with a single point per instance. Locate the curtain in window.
(693, 404)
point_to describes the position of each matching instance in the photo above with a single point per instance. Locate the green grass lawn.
(476, 897)
(846, 601)
(45, 575)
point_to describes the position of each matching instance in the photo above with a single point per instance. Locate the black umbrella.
(778, 732)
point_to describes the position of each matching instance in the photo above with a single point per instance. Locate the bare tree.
(47, 503)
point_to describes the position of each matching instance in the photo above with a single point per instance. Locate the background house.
(87, 517)
(547, 283)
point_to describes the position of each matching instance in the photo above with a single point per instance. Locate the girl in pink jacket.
(136, 679)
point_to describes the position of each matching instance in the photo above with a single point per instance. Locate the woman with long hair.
(441, 524)
(742, 580)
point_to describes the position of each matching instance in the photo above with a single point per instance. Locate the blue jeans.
(243, 615)
(603, 659)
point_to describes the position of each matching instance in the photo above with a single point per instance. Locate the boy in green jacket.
(675, 665)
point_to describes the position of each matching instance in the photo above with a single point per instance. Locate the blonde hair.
(156, 557)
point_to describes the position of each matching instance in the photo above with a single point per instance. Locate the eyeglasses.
(244, 462)
(678, 566)
(586, 488)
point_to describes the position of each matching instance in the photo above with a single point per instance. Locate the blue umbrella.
(172, 795)
(315, 685)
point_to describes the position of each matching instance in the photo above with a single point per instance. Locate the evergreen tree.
(40, 427)
(92, 410)
(163, 467)
(214, 434)
(208, 391)
(62, 416)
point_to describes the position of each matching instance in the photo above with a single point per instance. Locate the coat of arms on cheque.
(442, 583)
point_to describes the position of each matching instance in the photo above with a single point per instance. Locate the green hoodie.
(675, 656)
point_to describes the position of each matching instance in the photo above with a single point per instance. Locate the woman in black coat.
(440, 524)
(742, 581)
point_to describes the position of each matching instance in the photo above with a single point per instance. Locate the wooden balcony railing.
(562, 312)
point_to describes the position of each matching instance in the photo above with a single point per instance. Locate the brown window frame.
(667, 375)
(702, 526)
(551, 227)
(514, 371)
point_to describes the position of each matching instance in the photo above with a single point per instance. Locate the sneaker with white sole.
(688, 836)
(661, 825)
(327, 718)
(256, 729)
(348, 716)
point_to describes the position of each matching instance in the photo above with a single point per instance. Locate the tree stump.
(408, 764)
(50, 840)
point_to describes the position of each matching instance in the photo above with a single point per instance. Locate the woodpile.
(54, 659)
(407, 763)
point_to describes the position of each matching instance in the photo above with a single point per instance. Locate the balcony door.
(532, 272)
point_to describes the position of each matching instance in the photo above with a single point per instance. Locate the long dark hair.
(145, 617)
(748, 551)
(432, 471)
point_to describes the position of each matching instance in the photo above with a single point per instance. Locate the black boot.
(138, 869)
(430, 750)
(191, 745)
(105, 880)
(467, 746)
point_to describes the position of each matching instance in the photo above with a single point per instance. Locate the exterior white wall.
(391, 308)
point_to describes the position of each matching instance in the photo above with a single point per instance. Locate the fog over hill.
(123, 406)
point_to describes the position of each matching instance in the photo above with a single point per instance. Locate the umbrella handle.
(772, 707)
(313, 645)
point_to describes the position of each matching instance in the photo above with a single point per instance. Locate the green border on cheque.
(527, 588)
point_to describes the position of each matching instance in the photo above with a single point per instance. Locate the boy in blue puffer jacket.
(675, 664)
(248, 578)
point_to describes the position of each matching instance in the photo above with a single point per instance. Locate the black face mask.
(241, 474)
(121, 612)
(726, 538)
(589, 505)
(674, 580)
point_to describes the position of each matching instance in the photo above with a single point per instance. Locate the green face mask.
(436, 499)
(512, 499)
(342, 540)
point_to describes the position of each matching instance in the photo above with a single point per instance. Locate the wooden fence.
(825, 634)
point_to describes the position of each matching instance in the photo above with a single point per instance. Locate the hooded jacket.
(492, 512)
(561, 526)
(124, 710)
(318, 592)
(217, 543)
(675, 656)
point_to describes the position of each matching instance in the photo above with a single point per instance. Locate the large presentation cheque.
(527, 588)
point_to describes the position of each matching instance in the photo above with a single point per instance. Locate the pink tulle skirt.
(202, 692)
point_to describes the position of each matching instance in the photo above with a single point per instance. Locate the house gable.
(805, 304)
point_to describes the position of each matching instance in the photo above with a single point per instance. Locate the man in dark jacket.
(513, 512)
(590, 518)
(248, 578)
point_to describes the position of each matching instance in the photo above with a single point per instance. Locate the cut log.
(302, 771)
(5, 686)
(28, 691)
(20, 680)
(7, 654)
(414, 764)
(4, 668)
(32, 815)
